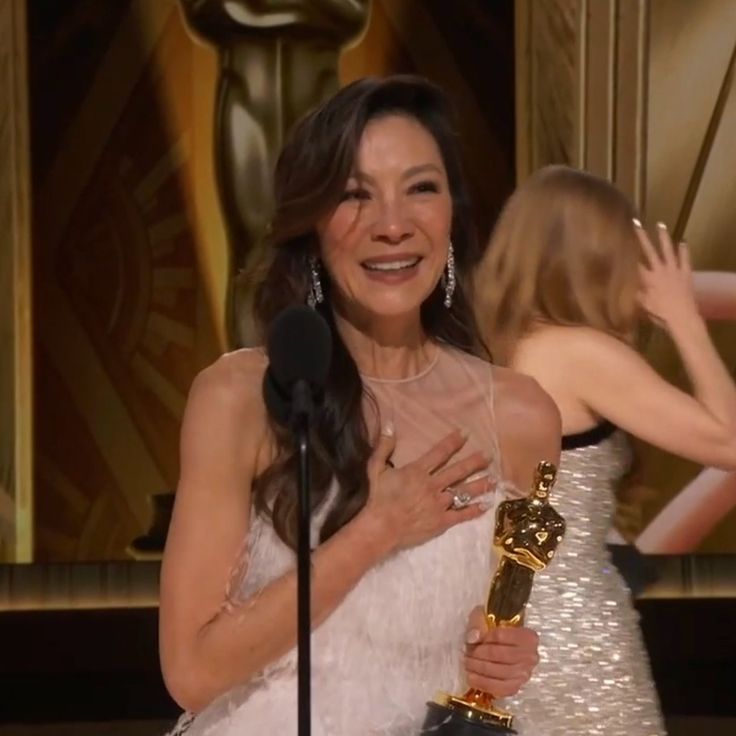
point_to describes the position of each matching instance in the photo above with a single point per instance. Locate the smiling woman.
(392, 227)
(416, 440)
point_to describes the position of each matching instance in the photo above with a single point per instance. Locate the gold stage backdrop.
(128, 264)
(131, 255)
(154, 128)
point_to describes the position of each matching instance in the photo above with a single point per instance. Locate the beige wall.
(690, 167)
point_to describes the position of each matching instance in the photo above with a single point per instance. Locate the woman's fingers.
(383, 450)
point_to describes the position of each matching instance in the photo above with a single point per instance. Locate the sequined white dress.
(593, 678)
(397, 637)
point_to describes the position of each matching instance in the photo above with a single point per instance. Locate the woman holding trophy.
(416, 440)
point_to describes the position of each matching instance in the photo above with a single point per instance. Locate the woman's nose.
(392, 224)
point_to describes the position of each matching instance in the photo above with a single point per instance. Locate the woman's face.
(385, 246)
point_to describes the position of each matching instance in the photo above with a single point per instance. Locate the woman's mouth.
(387, 267)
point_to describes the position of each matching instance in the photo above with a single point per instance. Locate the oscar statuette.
(526, 536)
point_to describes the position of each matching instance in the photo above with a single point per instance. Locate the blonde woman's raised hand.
(666, 292)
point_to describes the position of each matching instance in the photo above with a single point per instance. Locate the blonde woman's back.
(548, 354)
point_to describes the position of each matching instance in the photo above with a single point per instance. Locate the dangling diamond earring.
(315, 295)
(448, 278)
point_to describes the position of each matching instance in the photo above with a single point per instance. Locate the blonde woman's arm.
(613, 381)
(617, 383)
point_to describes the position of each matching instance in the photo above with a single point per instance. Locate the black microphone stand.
(302, 408)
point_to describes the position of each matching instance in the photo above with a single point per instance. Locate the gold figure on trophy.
(526, 536)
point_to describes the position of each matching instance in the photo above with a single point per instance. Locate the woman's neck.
(387, 348)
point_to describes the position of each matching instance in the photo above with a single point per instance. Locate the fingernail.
(661, 226)
(473, 636)
(388, 429)
(637, 222)
(477, 476)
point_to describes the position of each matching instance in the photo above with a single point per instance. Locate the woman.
(372, 228)
(560, 294)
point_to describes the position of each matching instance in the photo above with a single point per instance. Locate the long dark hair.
(310, 179)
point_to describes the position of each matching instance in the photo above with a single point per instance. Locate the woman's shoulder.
(529, 425)
(235, 366)
(225, 407)
(562, 342)
(233, 380)
(520, 396)
(514, 393)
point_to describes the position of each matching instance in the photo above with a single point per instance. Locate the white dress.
(593, 678)
(397, 638)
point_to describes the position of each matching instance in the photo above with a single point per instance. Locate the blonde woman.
(568, 276)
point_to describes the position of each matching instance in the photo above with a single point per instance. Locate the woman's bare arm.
(206, 646)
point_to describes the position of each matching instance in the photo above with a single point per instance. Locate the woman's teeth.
(392, 265)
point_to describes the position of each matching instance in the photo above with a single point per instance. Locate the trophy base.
(447, 720)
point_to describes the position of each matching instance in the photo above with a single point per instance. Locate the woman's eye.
(354, 194)
(423, 187)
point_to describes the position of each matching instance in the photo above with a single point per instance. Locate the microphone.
(299, 347)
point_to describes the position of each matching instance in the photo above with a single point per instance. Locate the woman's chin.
(405, 310)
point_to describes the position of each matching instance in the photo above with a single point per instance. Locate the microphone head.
(299, 346)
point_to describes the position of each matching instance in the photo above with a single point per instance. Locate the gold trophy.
(526, 536)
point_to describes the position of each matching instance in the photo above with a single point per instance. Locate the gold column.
(16, 368)
(581, 87)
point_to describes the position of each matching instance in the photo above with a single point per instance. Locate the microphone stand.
(302, 408)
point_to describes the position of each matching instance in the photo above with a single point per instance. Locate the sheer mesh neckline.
(427, 369)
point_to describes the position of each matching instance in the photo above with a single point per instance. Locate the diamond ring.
(460, 501)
